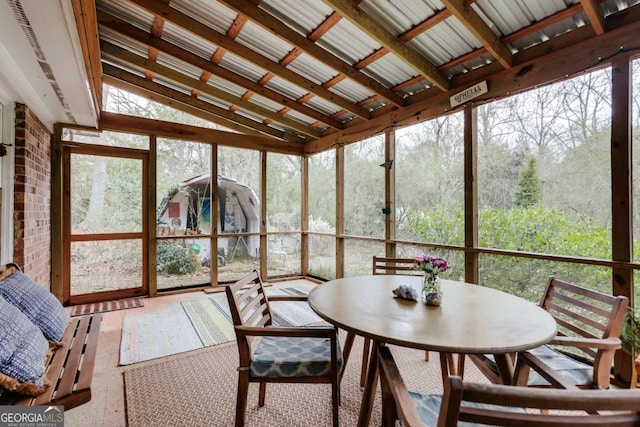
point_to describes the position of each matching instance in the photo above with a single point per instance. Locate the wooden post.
(57, 244)
(151, 241)
(304, 220)
(263, 215)
(390, 193)
(471, 268)
(339, 212)
(621, 202)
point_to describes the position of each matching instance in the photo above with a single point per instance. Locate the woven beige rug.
(199, 389)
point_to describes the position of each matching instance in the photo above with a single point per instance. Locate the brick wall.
(32, 197)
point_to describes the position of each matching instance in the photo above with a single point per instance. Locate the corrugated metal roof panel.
(244, 68)
(119, 40)
(226, 86)
(300, 117)
(390, 70)
(347, 42)
(508, 16)
(127, 12)
(445, 42)
(209, 12)
(178, 65)
(312, 69)
(303, 16)
(325, 107)
(171, 84)
(263, 42)
(351, 90)
(266, 103)
(549, 32)
(399, 16)
(185, 40)
(282, 86)
(214, 101)
(138, 71)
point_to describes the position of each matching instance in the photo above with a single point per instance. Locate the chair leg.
(365, 360)
(335, 398)
(426, 356)
(263, 390)
(241, 398)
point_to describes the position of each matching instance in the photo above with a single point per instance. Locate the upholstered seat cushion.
(570, 369)
(23, 351)
(36, 302)
(428, 408)
(286, 357)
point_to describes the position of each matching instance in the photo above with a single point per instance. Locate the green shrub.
(176, 259)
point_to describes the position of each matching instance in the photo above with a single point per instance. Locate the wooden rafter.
(143, 37)
(201, 30)
(280, 29)
(374, 30)
(85, 16)
(110, 50)
(462, 10)
(194, 133)
(180, 97)
(594, 13)
(567, 54)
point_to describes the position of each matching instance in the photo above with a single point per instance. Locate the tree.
(529, 190)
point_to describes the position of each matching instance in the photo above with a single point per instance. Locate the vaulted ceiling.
(307, 75)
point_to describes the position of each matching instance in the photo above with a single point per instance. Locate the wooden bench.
(69, 368)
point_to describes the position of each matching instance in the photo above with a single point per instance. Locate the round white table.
(471, 319)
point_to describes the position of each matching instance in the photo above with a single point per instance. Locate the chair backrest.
(501, 405)
(247, 301)
(402, 266)
(581, 312)
(249, 305)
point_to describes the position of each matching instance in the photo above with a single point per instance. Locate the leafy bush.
(176, 259)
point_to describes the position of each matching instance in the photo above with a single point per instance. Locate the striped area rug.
(101, 307)
(197, 323)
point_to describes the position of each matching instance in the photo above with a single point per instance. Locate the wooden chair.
(589, 325)
(500, 405)
(260, 345)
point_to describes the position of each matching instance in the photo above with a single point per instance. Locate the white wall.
(7, 172)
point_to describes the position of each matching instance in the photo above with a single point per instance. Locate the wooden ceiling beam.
(201, 30)
(144, 126)
(113, 51)
(594, 13)
(462, 10)
(143, 37)
(535, 66)
(288, 34)
(84, 12)
(183, 98)
(373, 29)
(173, 103)
(410, 34)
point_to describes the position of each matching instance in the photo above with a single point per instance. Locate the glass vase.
(431, 293)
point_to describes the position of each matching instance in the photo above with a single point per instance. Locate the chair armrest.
(273, 298)
(315, 332)
(580, 342)
(393, 385)
(543, 369)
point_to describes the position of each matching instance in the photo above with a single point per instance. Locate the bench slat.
(70, 368)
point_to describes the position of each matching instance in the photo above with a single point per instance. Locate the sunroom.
(157, 149)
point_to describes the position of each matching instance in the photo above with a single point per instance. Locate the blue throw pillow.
(23, 352)
(37, 303)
